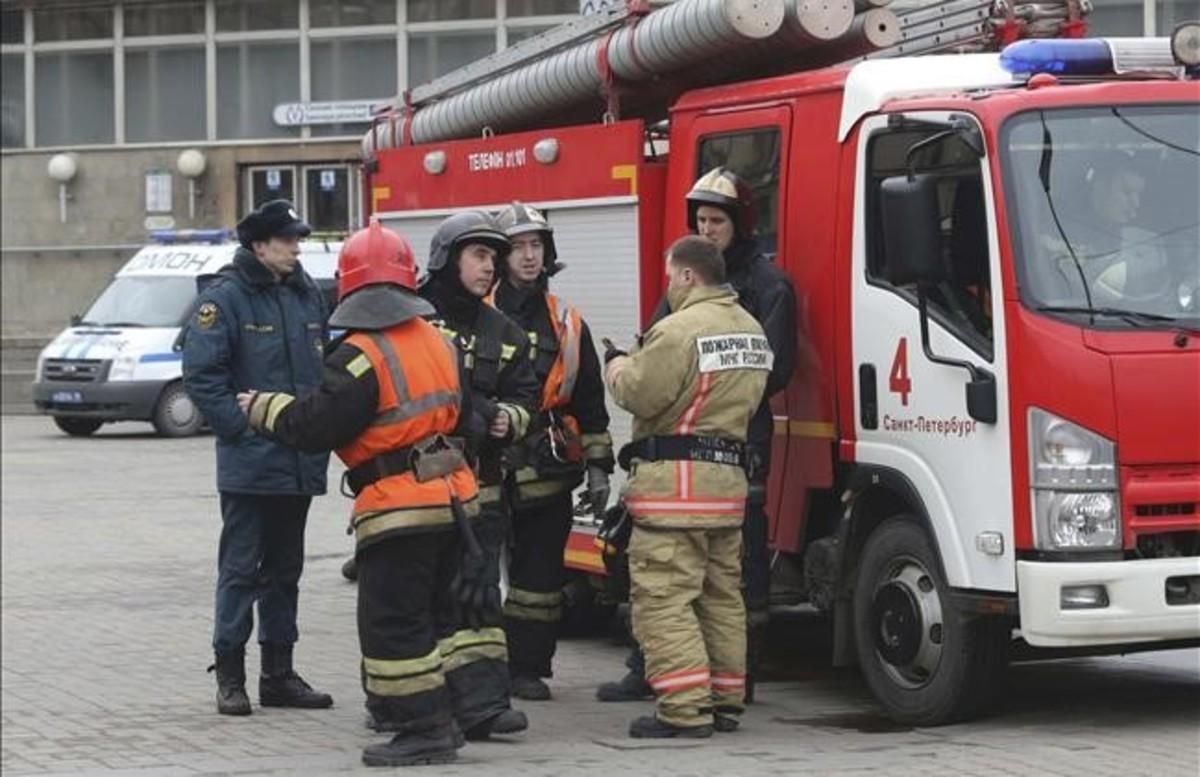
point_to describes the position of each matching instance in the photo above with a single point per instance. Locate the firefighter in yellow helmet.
(568, 440)
(720, 208)
(692, 385)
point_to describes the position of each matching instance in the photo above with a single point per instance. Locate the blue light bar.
(173, 236)
(1080, 57)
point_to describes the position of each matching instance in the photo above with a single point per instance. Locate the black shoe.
(387, 725)
(231, 683)
(650, 727)
(631, 687)
(530, 688)
(429, 747)
(509, 721)
(280, 686)
(350, 569)
(725, 723)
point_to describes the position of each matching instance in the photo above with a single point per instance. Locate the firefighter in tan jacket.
(692, 384)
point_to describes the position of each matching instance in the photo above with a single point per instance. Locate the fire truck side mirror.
(912, 236)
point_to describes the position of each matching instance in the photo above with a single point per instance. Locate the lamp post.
(62, 168)
(191, 164)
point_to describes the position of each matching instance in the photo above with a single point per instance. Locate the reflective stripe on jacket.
(419, 397)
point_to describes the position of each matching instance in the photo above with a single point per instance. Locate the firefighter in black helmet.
(720, 208)
(466, 253)
(568, 440)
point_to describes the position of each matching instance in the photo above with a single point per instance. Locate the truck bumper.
(1137, 611)
(120, 401)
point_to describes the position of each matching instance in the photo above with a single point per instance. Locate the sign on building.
(330, 112)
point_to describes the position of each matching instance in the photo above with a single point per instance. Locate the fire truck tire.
(176, 415)
(77, 426)
(926, 662)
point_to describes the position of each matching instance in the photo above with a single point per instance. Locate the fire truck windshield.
(1104, 206)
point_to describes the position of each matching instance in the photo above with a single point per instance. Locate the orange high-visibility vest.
(568, 327)
(419, 397)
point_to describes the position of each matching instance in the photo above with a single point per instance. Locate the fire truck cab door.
(917, 425)
(754, 143)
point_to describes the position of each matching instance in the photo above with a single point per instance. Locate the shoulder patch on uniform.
(359, 365)
(206, 315)
(734, 351)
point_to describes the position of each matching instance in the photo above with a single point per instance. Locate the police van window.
(963, 303)
(143, 301)
(754, 156)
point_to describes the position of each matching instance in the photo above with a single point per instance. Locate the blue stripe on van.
(160, 357)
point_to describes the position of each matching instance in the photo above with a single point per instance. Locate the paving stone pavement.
(109, 550)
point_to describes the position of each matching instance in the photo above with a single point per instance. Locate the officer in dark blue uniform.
(259, 323)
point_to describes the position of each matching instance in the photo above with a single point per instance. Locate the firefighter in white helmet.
(568, 441)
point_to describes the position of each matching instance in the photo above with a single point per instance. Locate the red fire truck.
(993, 429)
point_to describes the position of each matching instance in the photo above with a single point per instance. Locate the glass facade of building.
(90, 73)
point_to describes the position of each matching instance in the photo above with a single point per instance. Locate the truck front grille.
(73, 370)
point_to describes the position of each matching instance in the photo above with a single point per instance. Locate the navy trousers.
(260, 559)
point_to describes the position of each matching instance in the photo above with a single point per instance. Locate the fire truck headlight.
(1076, 499)
(1080, 520)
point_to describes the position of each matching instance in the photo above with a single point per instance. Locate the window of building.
(434, 54)
(270, 182)
(252, 78)
(164, 98)
(12, 101)
(327, 197)
(162, 18)
(963, 302)
(243, 15)
(335, 13)
(1115, 17)
(74, 96)
(440, 10)
(67, 22)
(1169, 13)
(754, 156)
(12, 26)
(542, 7)
(352, 70)
(518, 34)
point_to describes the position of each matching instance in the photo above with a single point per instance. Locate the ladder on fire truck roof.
(633, 61)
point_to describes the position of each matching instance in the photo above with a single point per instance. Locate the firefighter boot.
(350, 569)
(631, 687)
(509, 721)
(650, 727)
(231, 683)
(435, 746)
(280, 686)
(726, 719)
(530, 688)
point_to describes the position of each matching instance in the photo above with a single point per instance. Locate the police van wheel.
(76, 426)
(926, 662)
(175, 415)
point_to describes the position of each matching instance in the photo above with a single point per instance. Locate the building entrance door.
(327, 195)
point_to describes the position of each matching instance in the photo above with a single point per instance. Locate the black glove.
(477, 586)
(468, 587)
(611, 351)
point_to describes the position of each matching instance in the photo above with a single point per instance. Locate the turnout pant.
(689, 619)
(405, 613)
(476, 660)
(536, 575)
(260, 558)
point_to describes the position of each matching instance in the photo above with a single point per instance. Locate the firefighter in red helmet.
(391, 403)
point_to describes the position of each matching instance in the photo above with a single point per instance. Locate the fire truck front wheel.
(927, 663)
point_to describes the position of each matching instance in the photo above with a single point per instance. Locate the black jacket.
(528, 308)
(766, 293)
(496, 358)
(249, 331)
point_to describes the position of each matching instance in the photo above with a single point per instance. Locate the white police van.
(118, 361)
